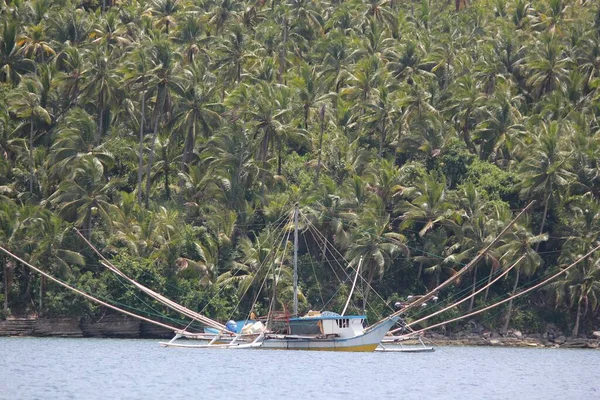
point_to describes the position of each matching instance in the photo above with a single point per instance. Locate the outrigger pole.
(460, 273)
(506, 271)
(87, 296)
(542, 283)
(164, 300)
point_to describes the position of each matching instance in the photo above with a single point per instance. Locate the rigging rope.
(85, 294)
(542, 283)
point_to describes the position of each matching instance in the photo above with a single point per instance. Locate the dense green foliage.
(175, 134)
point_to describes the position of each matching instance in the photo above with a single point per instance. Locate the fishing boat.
(314, 331)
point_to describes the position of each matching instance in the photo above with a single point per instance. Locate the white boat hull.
(365, 342)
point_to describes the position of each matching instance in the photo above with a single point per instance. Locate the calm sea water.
(52, 368)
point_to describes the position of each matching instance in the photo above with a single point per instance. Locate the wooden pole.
(464, 269)
(168, 302)
(472, 296)
(542, 283)
(87, 296)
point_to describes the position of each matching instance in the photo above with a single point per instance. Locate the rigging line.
(222, 287)
(135, 295)
(460, 293)
(267, 274)
(312, 264)
(312, 229)
(275, 279)
(332, 269)
(256, 273)
(324, 253)
(164, 300)
(85, 294)
(157, 296)
(512, 296)
(348, 264)
(466, 268)
(466, 298)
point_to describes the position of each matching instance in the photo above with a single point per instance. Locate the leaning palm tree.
(546, 169)
(47, 240)
(85, 194)
(12, 62)
(373, 243)
(75, 139)
(581, 285)
(517, 243)
(26, 103)
(198, 108)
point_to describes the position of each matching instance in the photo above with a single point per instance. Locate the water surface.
(54, 368)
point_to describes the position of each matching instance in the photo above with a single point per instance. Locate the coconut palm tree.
(427, 207)
(101, 85)
(26, 102)
(164, 12)
(515, 244)
(546, 169)
(166, 63)
(75, 139)
(47, 240)
(198, 109)
(12, 63)
(33, 44)
(372, 242)
(231, 168)
(85, 195)
(580, 285)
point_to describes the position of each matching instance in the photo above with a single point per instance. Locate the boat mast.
(296, 261)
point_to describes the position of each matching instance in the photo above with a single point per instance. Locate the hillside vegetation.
(176, 134)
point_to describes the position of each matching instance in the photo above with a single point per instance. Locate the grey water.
(54, 368)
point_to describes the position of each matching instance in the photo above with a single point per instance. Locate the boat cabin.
(328, 325)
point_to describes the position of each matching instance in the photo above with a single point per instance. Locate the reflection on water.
(52, 368)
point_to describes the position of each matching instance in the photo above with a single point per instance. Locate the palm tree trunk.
(282, 55)
(188, 147)
(87, 224)
(279, 158)
(166, 171)
(510, 303)
(101, 124)
(472, 302)
(322, 115)
(41, 295)
(382, 139)
(31, 160)
(5, 285)
(537, 246)
(141, 147)
(487, 290)
(577, 318)
(153, 145)
(367, 289)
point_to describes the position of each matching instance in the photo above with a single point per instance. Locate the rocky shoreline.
(117, 326)
(109, 326)
(512, 339)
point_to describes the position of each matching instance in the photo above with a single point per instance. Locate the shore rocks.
(113, 326)
(17, 326)
(63, 327)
